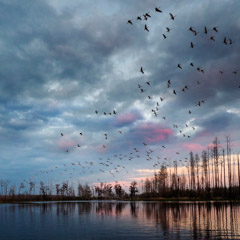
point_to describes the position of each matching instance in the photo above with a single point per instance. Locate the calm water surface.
(119, 220)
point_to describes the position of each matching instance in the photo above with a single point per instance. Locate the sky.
(61, 61)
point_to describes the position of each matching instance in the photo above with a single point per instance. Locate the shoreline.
(170, 200)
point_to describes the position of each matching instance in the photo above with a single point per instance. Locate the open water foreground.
(119, 220)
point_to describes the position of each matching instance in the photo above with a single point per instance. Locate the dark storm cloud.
(219, 122)
(42, 46)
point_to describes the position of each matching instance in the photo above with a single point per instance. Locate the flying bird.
(130, 21)
(147, 15)
(158, 10)
(148, 83)
(171, 16)
(205, 30)
(168, 29)
(212, 38)
(146, 28)
(191, 29)
(225, 41)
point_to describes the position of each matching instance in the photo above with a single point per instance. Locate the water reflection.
(129, 220)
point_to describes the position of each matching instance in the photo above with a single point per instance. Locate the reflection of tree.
(104, 208)
(119, 208)
(201, 220)
(134, 209)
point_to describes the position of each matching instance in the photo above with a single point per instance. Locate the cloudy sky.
(60, 61)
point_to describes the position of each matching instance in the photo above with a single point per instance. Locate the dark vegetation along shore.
(214, 175)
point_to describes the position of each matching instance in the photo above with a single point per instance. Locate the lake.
(119, 220)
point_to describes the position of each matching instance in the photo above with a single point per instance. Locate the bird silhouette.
(130, 21)
(225, 41)
(212, 38)
(158, 10)
(205, 30)
(171, 16)
(191, 29)
(141, 70)
(146, 28)
(147, 15)
(148, 83)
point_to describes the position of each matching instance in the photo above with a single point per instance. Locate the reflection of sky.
(61, 61)
(128, 220)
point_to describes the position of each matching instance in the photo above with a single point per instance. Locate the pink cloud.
(101, 149)
(127, 118)
(153, 133)
(66, 143)
(193, 147)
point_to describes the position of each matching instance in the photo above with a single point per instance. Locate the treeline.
(64, 191)
(213, 174)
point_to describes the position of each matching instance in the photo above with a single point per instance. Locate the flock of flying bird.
(113, 165)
